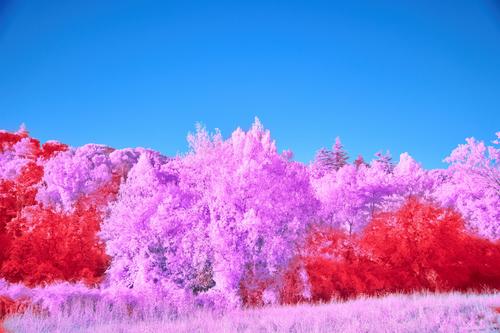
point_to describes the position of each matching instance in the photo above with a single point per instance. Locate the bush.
(418, 247)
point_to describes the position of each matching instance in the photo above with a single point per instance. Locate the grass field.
(394, 313)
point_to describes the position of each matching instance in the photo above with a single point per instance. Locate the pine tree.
(360, 161)
(385, 160)
(324, 160)
(340, 156)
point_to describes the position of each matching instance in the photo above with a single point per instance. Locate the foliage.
(417, 247)
(328, 160)
(202, 221)
(234, 222)
(471, 185)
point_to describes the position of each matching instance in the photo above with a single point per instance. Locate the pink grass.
(452, 312)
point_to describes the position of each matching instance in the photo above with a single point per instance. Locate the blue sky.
(416, 76)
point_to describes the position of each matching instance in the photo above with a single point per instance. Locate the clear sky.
(416, 76)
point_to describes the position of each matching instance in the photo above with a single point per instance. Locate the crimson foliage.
(39, 245)
(9, 306)
(421, 246)
(418, 247)
(53, 246)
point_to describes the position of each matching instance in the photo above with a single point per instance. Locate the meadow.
(394, 313)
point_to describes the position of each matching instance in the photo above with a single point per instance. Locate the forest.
(235, 224)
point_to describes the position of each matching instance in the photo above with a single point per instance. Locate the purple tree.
(471, 184)
(328, 160)
(340, 156)
(260, 203)
(206, 219)
(154, 231)
(80, 171)
(350, 196)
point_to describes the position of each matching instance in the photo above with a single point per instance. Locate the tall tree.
(229, 210)
(328, 160)
(385, 160)
(340, 156)
(360, 161)
(323, 162)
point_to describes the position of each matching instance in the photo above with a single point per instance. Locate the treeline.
(236, 221)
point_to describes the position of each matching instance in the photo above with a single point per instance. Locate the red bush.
(422, 246)
(15, 195)
(9, 307)
(418, 247)
(50, 245)
(295, 284)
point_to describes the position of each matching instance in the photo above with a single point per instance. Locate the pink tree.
(260, 203)
(329, 160)
(227, 208)
(80, 171)
(155, 230)
(352, 195)
(471, 184)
